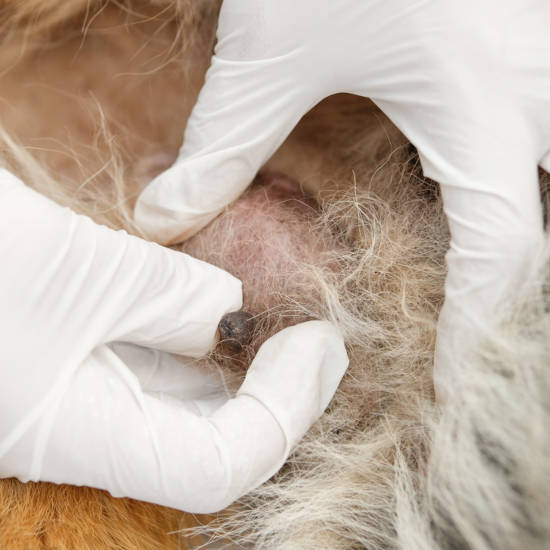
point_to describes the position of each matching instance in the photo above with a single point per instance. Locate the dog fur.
(87, 89)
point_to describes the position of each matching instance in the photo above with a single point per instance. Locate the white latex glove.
(467, 81)
(77, 407)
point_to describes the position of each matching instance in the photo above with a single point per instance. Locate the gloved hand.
(83, 401)
(468, 82)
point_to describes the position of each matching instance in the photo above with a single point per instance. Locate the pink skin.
(282, 185)
(262, 238)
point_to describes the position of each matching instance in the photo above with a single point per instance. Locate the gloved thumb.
(295, 375)
(244, 112)
(288, 386)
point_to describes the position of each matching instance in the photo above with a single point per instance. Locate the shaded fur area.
(89, 93)
(382, 285)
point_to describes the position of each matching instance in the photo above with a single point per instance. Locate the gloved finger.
(296, 373)
(162, 374)
(162, 298)
(244, 112)
(103, 431)
(92, 285)
(495, 218)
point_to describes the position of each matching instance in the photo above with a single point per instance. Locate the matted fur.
(382, 468)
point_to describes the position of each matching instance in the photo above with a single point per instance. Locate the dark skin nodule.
(236, 330)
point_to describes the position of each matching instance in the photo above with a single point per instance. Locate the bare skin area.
(267, 239)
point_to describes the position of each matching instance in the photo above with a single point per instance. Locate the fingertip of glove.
(320, 332)
(321, 339)
(146, 215)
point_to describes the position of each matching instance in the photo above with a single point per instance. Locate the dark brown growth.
(236, 330)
